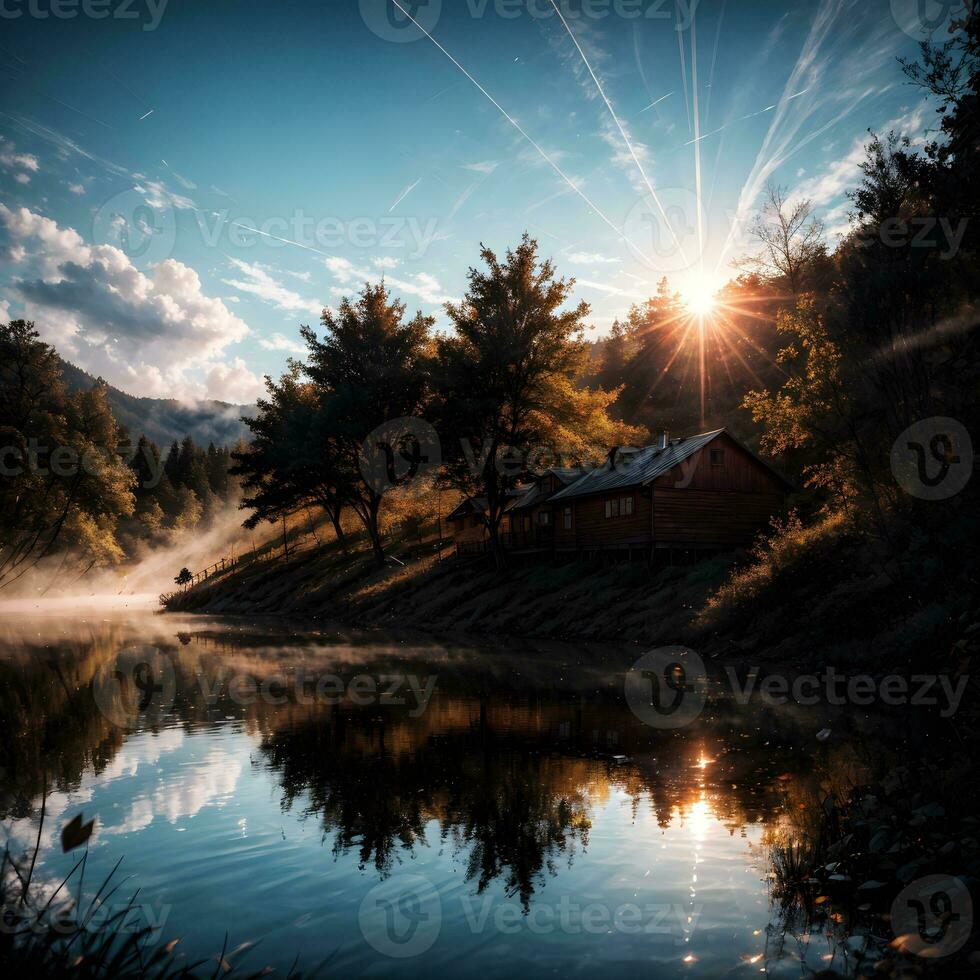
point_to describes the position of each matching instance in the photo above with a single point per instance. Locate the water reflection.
(525, 782)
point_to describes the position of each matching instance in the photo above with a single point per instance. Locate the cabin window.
(619, 507)
(527, 523)
(505, 524)
(544, 517)
(717, 457)
(567, 519)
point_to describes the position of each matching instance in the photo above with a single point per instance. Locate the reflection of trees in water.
(509, 777)
(516, 814)
(512, 786)
(50, 728)
(509, 772)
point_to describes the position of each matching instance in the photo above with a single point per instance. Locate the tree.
(505, 383)
(184, 577)
(806, 420)
(371, 367)
(950, 71)
(616, 351)
(791, 239)
(292, 462)
(62, 482)
(218, 461)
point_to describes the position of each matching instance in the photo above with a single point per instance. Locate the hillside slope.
(165, 419)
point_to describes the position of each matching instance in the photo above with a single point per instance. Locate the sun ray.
(622, 131)
(697, 136)
(680, 50)
(714, 58)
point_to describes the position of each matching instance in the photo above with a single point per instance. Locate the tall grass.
(48, 931)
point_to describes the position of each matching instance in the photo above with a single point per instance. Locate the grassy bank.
(813, 596)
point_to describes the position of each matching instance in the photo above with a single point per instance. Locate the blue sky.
(140, 148)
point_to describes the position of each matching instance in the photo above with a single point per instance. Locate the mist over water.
(55, 583)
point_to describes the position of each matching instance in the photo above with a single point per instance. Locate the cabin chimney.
(664, 439)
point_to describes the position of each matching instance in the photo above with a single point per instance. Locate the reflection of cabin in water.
(704, 492)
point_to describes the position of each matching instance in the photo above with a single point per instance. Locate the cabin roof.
(639, 468)
(538, 493)
(645, 465)
(477, 505)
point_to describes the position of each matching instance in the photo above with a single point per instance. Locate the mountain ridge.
(164, 420)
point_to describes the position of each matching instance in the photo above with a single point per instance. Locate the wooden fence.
(221, 565)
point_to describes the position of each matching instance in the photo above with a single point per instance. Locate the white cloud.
(420, 284)
(280, 341)
(233, 382)
(838, 68)
(485, 167)
(386, 262)
(77, 188)
(10, 159)
(146, 332)
(845, 173)
(606, 288)
(22, 178)
(158, 195)
(259, 282)
(343, 269)
(591, 258)
(427, 288)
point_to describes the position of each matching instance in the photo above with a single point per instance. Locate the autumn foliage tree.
(506, 381)
(62, 482)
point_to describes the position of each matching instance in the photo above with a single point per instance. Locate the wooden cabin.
(532, 517)
(469, 527)
(705, 492)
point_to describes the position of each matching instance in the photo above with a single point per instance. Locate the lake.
(409, 806)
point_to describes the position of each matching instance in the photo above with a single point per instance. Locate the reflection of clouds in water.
(185, 793)
(215, 777)
(140, 816)
(21, 834)
(141, 750)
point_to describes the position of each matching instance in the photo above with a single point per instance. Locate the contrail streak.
(752, 115)
(704, 137)
(775, 145)
(561, 173)
(622, 132)
(266, 234)
(680, 51)
(401, 197)
(714, 58)
(697, 136)
(657, 102)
